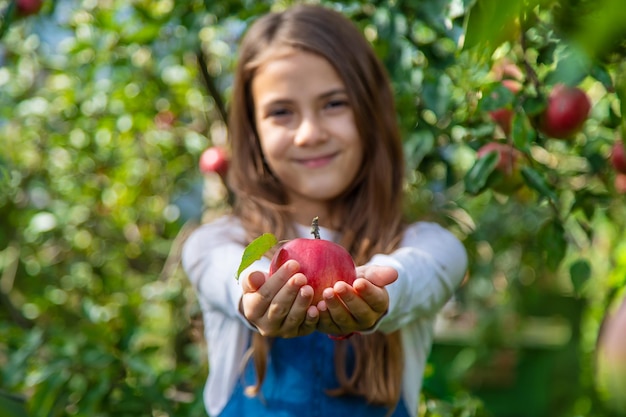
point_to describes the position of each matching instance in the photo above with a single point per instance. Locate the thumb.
(378, 275)
(253, 281)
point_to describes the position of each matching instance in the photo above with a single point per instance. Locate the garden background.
(107, 105)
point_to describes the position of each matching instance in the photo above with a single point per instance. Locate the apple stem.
(315, 228)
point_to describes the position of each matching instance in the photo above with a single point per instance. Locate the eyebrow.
(333, 92)
(279, 101)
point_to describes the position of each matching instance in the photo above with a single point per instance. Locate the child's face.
(307, 129)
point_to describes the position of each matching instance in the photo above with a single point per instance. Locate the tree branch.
(211, 87)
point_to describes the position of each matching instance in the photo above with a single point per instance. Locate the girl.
(313, 132)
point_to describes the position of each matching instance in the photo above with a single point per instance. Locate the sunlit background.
(106, 107)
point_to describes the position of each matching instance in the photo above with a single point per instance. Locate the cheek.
(273, 146)
(358, 148)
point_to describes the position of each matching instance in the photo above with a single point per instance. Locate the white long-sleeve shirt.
(430, 261)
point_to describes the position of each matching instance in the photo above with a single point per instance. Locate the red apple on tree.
(566, 112)
(618, 157)
(506, 69)
(214, 159)
(503, 118)
(506, 176)
(28, 7)
(323, 262)
(620, 183)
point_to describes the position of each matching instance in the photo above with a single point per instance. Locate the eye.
(278, 112)
(336, 103)
(336, 106)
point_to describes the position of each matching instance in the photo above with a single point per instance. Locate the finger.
(376, 298)
(274, 283)
(280, 277)
(339, 313)
(310, 323)
(287, 301)
(260, 290)
(285, 313)
(360, 311)
(253, 282)
(296, 311)
(378, 275)
(325, 322)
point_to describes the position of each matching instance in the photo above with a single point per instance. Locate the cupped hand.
(279, 305)
(346, 308)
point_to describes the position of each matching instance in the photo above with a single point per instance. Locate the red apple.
(611, 358)
(618, 159)
(506, 177)
(566, 112)
(214, 159)
(505, 68)
(620, 183)
(323, 262)
(28, 7)
(503, 118)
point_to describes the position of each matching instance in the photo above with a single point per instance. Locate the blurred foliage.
(105, 107)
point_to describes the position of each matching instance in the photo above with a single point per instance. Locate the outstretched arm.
(427, 267)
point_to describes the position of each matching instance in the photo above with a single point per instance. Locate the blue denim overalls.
(299, 371)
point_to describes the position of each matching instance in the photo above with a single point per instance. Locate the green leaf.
(489, 23)
(536, 181)
(418, 145)
(580, 272)
(554, 244)
(534, 105)
(601, 74)
(589, 201)
(255, 251)
(12, 405)
(495, 96)
(477, 177)
(9, 13)
(522, 134)
(572, 67)
(48, 394)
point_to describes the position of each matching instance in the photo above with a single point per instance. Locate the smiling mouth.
(316, 162)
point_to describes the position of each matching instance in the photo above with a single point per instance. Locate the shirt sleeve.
(431, 263)
(210, 258)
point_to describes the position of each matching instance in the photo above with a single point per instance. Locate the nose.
(310, 131)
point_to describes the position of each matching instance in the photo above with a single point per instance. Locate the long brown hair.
(371, 209)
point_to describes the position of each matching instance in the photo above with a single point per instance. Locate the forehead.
(273, 54)
(295, 57)
(297, 69)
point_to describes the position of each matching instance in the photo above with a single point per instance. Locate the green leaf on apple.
(255, 251)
